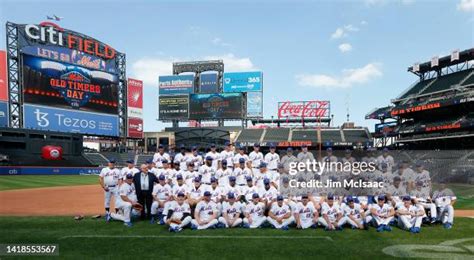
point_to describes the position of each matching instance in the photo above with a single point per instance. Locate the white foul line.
(198, 236)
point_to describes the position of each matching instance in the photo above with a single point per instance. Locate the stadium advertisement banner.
(413, 108)
(75, 57)
(243, 81)
(135, 98)
(208, 83)
(173, 107)
(67, 86)
(176, 84)
(385, 128)
(3, 77)
(135, 127)
(216, 106)
(304, 109)
(51, 34)
(3, 113)
(27, 170)
(72, 121)
(254, 104)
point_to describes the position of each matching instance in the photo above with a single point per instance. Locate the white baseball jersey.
(182, 159)
(304, 157)
(356, 211)
(413, 209)
(215, 158)
(111, 176)
(206, 209)
(216, 194)
(269, 194)
(255, 210)
(162, 192)
(196, 160)
(444, 197)
(331, 211)
(280, 211)
(180, 189)
(423, 177)
(238, 156)
(272, 160)
(158, 158)
(256, 159)
(207, 172)
(127, 190)
(385, 160)
(189, 176)
(233, 210)
(223, 176)
(126, 170)
(241, 175)
(397, 191)
(306, 212)
(382, 211)
(227, 156)
(178, 210)
(196, 193)
(236, 190)
(248, 192)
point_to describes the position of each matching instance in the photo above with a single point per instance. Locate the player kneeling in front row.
(306, 215)
(353, 215)
(280, 214)
(125, 201)
(179, 214)
(381, 215)
(231, 211)
(254, 213)
(205, 214)
(410, 215)
(331, 215)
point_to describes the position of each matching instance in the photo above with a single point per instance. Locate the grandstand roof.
(445, 61)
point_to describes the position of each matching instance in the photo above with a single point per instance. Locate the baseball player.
(287, 159)
(160, 156)
(181, 158)
(129, 169)
(227, 155)
(444, 199)
(231, 210)
(241, 172)
(126, 200)
(215, 157)
(329, 158)
(272, 159)
(196, 192)
(268, 192)
(421, 196)
(279, 215)
(109, 180)
(207, 170)
(254, 213)
(306, 215)
(240, 155)
(386, 158)
(348, 157)
(248, 190)
(180, 187)
(178, 214)
(304, 155)
(410, 215)
(190, 174)
(233, 188)
(195, 159)
(223, 174)
(161, 194)
(354, 214)
(205, 214)
(421, 175)
(331, 214)
(217, 193)
(255, 157)
(381, 214)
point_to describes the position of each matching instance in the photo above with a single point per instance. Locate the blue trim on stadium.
(33, 170)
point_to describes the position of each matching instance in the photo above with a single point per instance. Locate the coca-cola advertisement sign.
(303, 109)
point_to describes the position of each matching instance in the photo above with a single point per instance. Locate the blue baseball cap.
(197, 179)
(224, 162)
(194, 148)
(329, 149)
(272, 146)
(397, 178)
(207, 193)
(227, 143)
(266, 181)
(331, 197)
(256, 145)
(242, 160)
(304, 146)
(249, 178)
(150, 161)
(213, 145)
(130, 161)
(164, 161)
(279, 198)
(161, 146)
(381, 197)
(180, 194)
(179, 177)
(419, 164)
(231, 178)
(161, 177)
(289, 149)
(255, 196)
(406, 198)
(263, 165)
(129, 176)
(213, 179)
(209, 158)
(112, 160)
(349, 199)
(231, 195)
(348, 151)
(385, 149)
(304, 196)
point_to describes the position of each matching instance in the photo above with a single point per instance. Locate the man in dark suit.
(144, 182)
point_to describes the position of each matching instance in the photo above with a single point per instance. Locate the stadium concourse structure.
(436, 112)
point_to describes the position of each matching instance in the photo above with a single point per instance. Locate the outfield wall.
(25, 170)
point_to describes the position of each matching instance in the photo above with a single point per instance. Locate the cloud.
(466, 6)
(384, 2)
(363, 22)
(344, 31)
(219, 42)
(345, 47)
(149, 69)
(349, 77)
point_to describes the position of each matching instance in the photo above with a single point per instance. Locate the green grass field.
(93, 238)
(39, 181)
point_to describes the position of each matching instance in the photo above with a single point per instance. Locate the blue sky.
(353, 53)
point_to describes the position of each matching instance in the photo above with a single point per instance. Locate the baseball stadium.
(134, 138)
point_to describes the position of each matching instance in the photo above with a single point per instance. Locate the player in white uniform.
(241, 172)
(421, 196)
(304, 155)
(178, 214)
(329, 156)
(387, 159)
(227, 155)
(348, 157)
(195, 159)
(279, 215)
(161, 194)
(255, 157)
(160, 156)
(254, 213)
(445, 199)
(190, 174)
(233, 188)
(180, 187)
(240, 155)
(207, 171)
(196, 192)
(381, 214)
(231, 211)
(215, 157)
(109, 180)
(421, 175)
(129, 169)
(223, 174)
(268, 193)
(126, 200)
(217, 193)
(182, 158)
(248, 190)
(205, 214)
(306, 215)
(287, 159)
(331, 215)
(354, 214)
(272, 159)
(410, 216)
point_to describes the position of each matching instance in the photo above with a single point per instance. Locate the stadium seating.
(469, 80)
(305, 135)
(355, 135)
(250, 135)
(446, 82)
(276, 134)
(143, 158)
(416, 88)
(96, 159)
